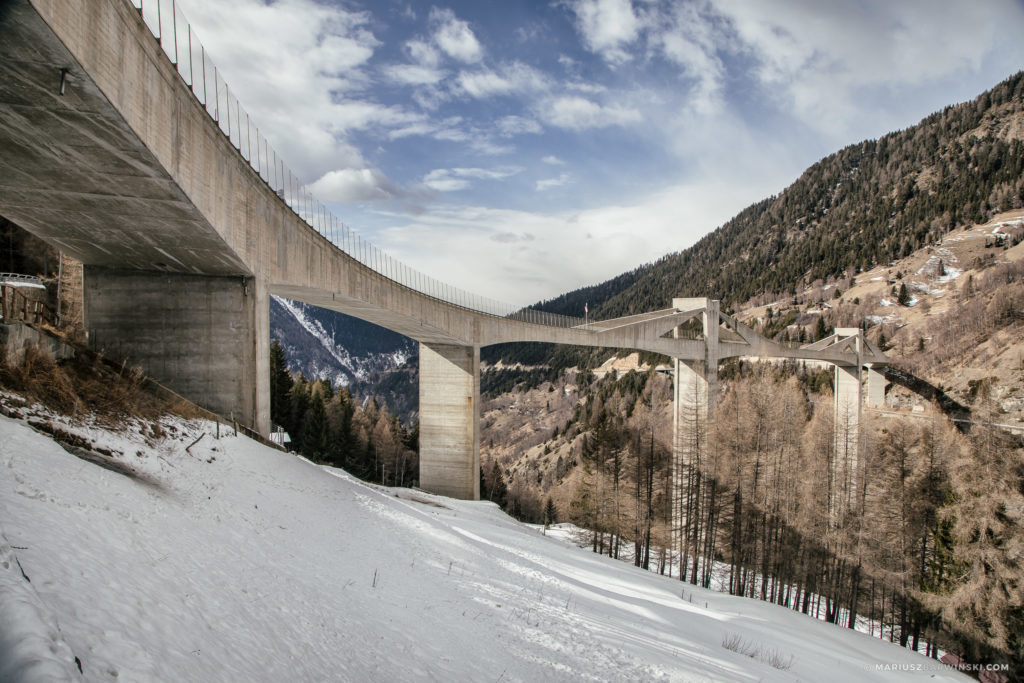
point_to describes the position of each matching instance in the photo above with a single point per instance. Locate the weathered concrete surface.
(17, 337)
(73, 171)
(449, 420)
(199, 333)
(876, 387)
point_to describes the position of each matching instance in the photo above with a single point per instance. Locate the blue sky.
(521, 149)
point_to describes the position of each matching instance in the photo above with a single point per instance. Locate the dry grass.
(72, 386)
(768, 655)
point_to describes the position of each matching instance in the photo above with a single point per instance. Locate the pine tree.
(550, 513)
(280, 385)
(314, 429)
(299, 404)
(820, 331)
(903, 298)
(498, 489)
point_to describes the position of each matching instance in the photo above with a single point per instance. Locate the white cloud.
(423, 70)
(484, 83)
(510, 78)
(510, 126)
(522, 257)
(687, 35)
(413, 74)
(455, 37)
(423, 53)
(548, 183)
(353, 185)
(836, 64)
(453, 179)
(301, 82)
(553, 160)
(441, 181)
(578, 113)
(453, 129)
(607, 27)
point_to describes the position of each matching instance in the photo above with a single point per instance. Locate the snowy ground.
(236, 562)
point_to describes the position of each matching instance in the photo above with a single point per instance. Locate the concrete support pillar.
(876, 388)
(449, 420)
(207, 338)
(844, 471)
(695, 393)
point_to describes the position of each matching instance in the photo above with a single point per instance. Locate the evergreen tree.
(903, 298)
(498, 491)
(299, 403)
(314, 429)
(820, 331)
(342, 437)
(280, 385)
(550, 513)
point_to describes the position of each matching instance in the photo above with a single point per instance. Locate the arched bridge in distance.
(121, 146)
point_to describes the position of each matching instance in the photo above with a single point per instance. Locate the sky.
(521, 149)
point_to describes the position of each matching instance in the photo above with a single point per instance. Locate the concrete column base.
(207, 338)
(449, 420)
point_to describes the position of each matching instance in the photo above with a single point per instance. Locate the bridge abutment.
(449, 420)
(207, 338)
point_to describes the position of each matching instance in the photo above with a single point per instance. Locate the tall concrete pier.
(450, 420)
(695, 394)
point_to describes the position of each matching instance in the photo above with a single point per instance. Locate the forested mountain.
(325, 344)
(916, 237)
(865, 205)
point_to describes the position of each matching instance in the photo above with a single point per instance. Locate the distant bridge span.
(152, 174)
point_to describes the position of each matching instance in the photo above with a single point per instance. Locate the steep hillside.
(227, 561)
(325, 344)
(861, 207)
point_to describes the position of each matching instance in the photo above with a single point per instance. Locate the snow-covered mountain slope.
(231, 561)
(325, 344)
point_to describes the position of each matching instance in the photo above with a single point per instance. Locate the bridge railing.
(183, 48)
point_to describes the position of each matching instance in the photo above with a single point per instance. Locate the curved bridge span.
(130, 154)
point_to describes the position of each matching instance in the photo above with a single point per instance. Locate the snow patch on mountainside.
(325, 344)
(326, 339)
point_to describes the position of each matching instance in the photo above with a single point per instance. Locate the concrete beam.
(207, 338)
(450, 420)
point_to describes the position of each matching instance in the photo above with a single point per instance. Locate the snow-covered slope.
(325, 344)
(235, 562)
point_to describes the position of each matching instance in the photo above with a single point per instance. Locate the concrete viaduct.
(143, 167)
